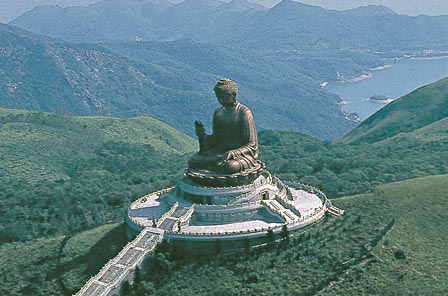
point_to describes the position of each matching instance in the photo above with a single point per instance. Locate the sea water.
(396, 81)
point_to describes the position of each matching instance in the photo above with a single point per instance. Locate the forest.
(67, 181)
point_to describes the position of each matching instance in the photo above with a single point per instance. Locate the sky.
(10, 9)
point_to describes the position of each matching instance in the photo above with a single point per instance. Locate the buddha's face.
(226, 99)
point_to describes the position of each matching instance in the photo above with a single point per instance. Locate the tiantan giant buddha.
(229, 156)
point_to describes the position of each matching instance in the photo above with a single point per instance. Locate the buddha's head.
(226, 91)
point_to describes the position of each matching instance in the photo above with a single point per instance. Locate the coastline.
(386, 66)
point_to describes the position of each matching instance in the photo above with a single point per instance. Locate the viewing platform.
(195, 216)
(227, 200)
(191, 212)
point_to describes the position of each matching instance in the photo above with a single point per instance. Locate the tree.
(270, 237)
(285, 234)
(145, 289)
(137, 277)
(246, 244)
(125, 289)
(218, 247)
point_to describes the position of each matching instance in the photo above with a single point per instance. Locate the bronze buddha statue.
(232, 149)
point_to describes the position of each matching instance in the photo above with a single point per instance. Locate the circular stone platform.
(192, 212)
(208, 178)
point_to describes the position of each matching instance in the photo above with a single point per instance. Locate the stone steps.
(108, 280)
(335, 211)
(285, 213)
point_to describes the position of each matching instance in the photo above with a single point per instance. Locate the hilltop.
(388, 242)
(421, 108)
(61, 174)
(390, 239)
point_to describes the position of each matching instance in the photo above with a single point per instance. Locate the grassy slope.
(421, 107)
(341, 169)
(357, 254)
(59, 265)
(329, 258)
(419, 208)
(352, 257)
(96, 165)
(38, 143)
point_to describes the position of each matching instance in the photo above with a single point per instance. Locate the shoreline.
(386, 66)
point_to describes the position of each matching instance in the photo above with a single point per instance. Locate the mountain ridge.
(167, 22)
(138, 78)
(422, 107)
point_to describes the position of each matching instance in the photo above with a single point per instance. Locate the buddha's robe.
(234, 133)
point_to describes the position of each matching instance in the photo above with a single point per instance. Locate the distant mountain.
(13, 8)
(409, 7)
(288, 25)
(235, 6)
(324, 44)
(170, 81)
(121, 20)
(422, 110)
(372, 10)
(291, 25)
(102, 21)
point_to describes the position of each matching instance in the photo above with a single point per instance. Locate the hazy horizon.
(10, 9)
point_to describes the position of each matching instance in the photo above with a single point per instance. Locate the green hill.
(60, 174)
(58, 265)
(389, 242)
(411, 257)
(346, 169)
(416, 110)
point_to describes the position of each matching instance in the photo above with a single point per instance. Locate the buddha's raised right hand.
(199, 129)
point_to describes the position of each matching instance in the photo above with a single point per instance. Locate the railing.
(225, 207)
(112, 262)
(167, 214)
(190, 186)
(185, 217)
(335, 211)
(267, 180)
(242, 198)
(220, 233)
(307, 188)
(285, 203)
(157, 193)
(283, 212)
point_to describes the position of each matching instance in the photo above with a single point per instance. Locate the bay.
(396, 81)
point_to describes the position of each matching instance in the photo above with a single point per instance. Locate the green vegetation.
(389, 242)
(85, 253)
(416, 110)
(341, 169)
(61, 174)
(412, 256)
(59, 265)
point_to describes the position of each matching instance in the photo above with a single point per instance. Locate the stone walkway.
(121, 268)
